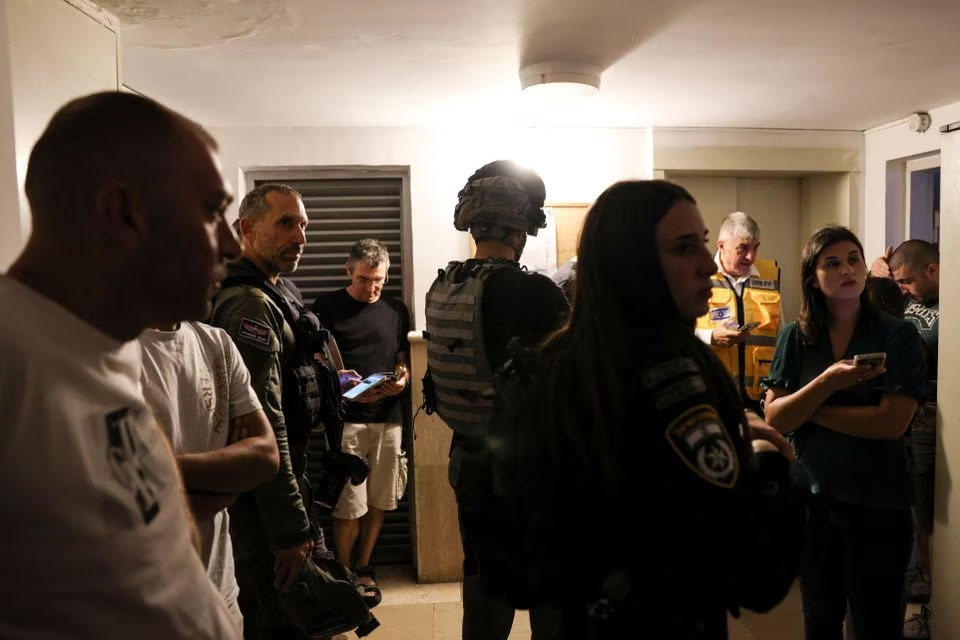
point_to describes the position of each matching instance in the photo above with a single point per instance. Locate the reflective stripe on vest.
(761, 303)
(456, 355)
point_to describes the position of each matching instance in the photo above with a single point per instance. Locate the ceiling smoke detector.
(569, 78)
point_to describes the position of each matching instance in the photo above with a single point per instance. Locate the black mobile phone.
(750, 326)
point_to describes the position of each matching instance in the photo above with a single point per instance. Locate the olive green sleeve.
(255, 325)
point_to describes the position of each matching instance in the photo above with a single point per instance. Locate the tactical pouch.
(429, 393)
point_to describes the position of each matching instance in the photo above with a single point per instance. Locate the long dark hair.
(620, 291)
(814, 314)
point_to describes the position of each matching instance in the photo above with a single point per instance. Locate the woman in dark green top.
(847, 423)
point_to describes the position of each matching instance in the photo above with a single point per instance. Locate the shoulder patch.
(679, 390)
(254, 331)
(704, 444)
(666, 370)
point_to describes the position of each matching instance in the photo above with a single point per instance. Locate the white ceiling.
(808, 64)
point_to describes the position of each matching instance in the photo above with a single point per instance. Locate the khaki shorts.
(378, 443)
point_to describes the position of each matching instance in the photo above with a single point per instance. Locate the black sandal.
(371, 592)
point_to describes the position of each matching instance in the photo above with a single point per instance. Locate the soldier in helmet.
(474, 308)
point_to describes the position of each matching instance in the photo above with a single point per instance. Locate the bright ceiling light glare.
(560, 79)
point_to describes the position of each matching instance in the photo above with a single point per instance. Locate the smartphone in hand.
(371, 381)
(750, 326)
(870, 359)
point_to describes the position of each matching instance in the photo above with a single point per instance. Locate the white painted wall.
(774, 153)
(575, 164)
(56, 52)
(946, 537)
(824, 199)
(893, 144)
(10, 232)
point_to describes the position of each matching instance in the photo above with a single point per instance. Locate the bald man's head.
(98, 138)
(134, 192)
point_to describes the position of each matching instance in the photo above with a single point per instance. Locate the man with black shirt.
(371, 332)
(473, 310)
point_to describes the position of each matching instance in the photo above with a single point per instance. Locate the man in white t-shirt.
(127, 203)
(198, 388)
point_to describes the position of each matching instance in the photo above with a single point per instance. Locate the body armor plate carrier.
(456, 354)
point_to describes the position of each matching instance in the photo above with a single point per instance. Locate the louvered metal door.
(342, 211)
(346, 205)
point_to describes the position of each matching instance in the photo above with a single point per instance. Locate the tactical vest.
(310, 388)
(456, 353)
(749, 361)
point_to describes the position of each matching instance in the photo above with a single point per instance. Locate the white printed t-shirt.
(94, 541)
(195, 381)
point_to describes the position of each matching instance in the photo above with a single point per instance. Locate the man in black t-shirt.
(371, 332)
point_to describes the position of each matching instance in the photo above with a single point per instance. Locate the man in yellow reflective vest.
(745, 311)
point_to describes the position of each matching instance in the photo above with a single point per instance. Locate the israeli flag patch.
(720, 313)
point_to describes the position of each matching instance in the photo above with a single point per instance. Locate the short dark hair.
(914, 254)
(95, 138)
(369, 251)
(254, 204)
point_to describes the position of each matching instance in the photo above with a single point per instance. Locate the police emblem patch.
(703, 443)
(720, 313)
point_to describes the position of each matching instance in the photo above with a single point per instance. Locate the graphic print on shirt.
(127, 455)
(213, 385)
(925, 318)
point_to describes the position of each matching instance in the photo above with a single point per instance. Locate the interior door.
(774, 203)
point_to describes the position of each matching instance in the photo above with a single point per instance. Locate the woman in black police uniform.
(847, 423)
(635, 446)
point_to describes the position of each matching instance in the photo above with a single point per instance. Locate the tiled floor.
(411, 611)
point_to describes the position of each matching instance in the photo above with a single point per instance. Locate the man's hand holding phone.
(744, 330)
(728, 335)
(366, 390)
(395, 382)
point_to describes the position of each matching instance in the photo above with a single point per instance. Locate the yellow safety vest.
(749, 361)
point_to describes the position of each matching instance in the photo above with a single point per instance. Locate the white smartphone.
(364, 385)
(870, 359)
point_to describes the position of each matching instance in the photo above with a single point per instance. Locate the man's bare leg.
(370, 525)
(345, 533)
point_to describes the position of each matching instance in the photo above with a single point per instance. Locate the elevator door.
(774, 203)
